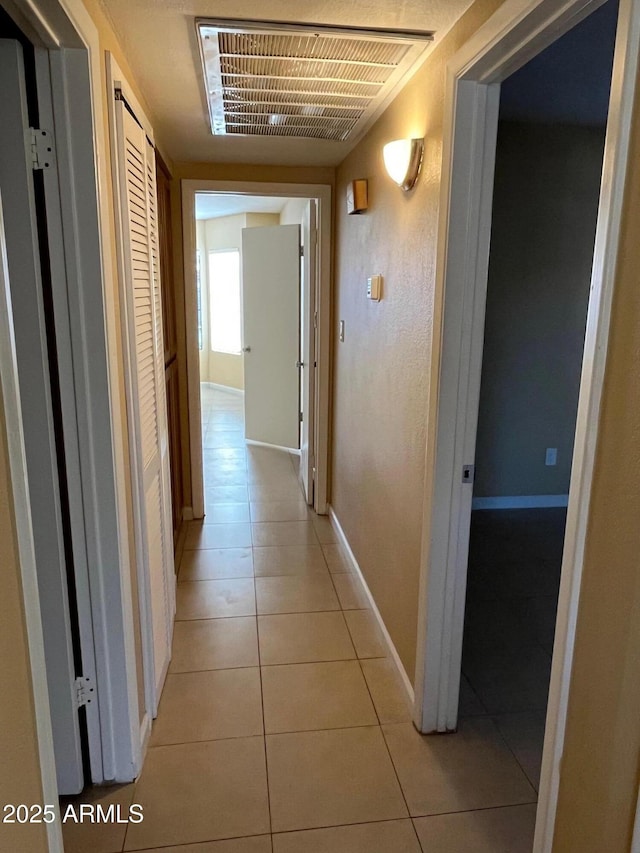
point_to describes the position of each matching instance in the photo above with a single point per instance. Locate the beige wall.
(382, 369)
(254, 172)
(227, 369)
(20, 775)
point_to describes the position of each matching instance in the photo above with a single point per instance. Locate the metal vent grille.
(306, 82)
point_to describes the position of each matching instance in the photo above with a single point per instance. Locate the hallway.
(281, 713)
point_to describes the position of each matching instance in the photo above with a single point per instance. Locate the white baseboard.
(395, 657)
(272, 446)
(521, 502)
(229, 388)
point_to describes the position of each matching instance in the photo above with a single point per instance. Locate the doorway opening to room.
(550, 145)
(257, 267)
(256, 270)
(530, 223)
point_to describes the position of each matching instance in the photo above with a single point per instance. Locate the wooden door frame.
(516, 33)
(322, 194)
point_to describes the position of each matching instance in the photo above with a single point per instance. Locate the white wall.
(293, 211)
(224, 232)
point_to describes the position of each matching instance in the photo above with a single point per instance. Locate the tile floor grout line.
(193, 844)
(515, 757)
(341, 728)
(375, 708)
(264, 722)
(397, 775)
(339, 825)
(457, 811)
(322, 660)
(234, 578)
(353, 642)
(479, 809)
(216, 669)
(473, 689)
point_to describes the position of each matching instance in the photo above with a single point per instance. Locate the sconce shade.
(402, 160)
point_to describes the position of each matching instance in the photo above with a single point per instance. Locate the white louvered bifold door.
(146, 394)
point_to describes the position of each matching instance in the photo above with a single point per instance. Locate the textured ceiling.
(215, 205)
(159, 40)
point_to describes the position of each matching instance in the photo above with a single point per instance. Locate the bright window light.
(224, 301)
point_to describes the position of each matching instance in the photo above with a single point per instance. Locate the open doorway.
(257, 266)
(549, 157)
(255, 277)
(471, 137)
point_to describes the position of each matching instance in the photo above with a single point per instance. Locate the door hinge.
(315, 319)
(468, 473)
(301, 251)
(313, 474)
(301, 417)
(84, 689)
(40, 148)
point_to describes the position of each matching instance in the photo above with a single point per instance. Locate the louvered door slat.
(147, 408)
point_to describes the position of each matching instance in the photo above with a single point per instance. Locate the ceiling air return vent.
(265, 79)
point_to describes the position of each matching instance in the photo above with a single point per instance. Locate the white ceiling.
(212, 206)
(159, 40)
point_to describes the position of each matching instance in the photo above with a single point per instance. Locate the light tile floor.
(283, 727)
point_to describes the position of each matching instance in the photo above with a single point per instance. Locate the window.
(224, 301)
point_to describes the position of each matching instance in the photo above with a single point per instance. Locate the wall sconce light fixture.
(402, 160)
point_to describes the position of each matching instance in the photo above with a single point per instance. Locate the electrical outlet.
(551, 456)
(341, 330)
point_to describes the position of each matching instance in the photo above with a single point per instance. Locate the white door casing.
(516, 33)
(308, 348)
(70, 84)
(271, 329)
(21, 505)
(322, 194)
(146, 396)
(16, 182)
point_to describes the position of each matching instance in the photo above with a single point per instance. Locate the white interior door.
(17, 186)
(146, 397)
(271, 321)
(307, 348)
